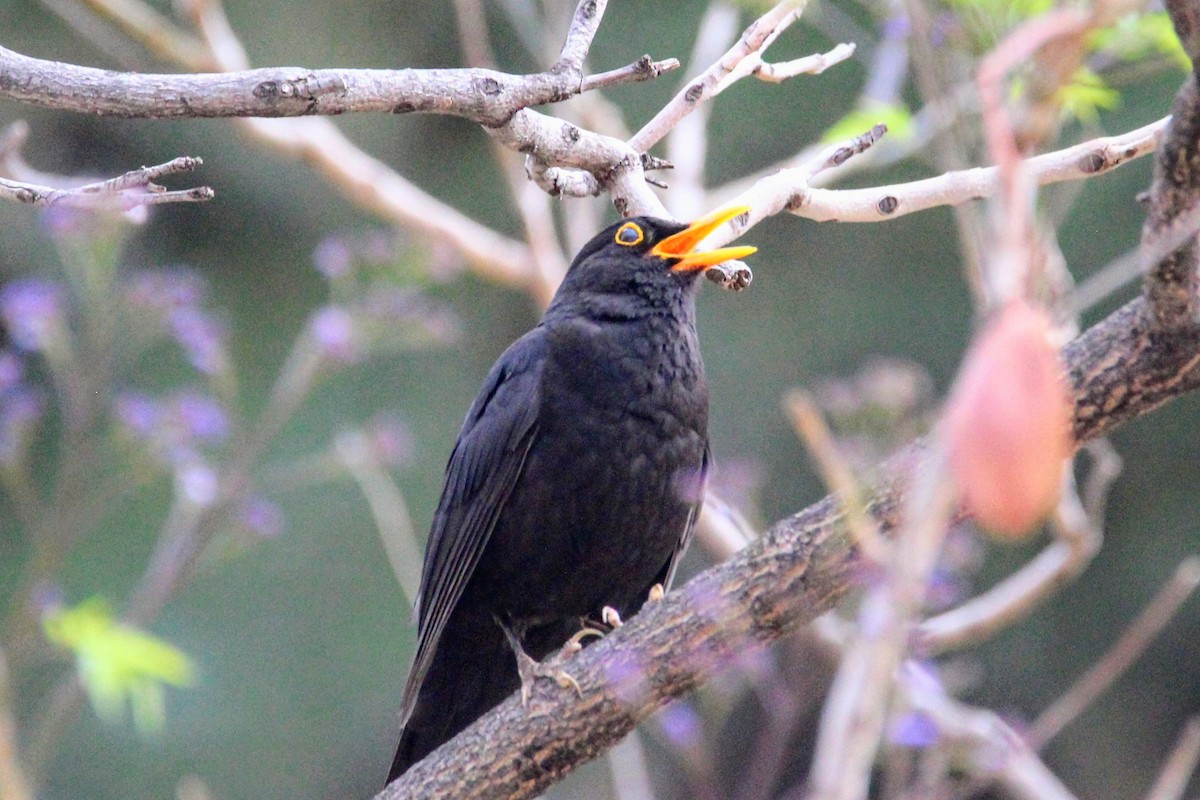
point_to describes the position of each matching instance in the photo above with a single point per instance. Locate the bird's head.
(649, 257)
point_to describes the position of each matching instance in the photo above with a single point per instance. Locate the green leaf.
(1136, 36)
(119, 664)
(1085, 96)
(897, 118)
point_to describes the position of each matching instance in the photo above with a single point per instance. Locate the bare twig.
(1078, 523)
(644, 69)
(996, 751)
(156, 32)
(616, 165)
(584, 24)
(388, 509)
(630, 774)
(757, 37)
(789, 188)
(785, 189)
(1173, 778)
(808, 65)
(811, 427)
(856, 709)
(133, 189)
(1077, 541)
(1127, 649)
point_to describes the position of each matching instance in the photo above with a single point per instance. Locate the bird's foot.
(530, 670)
(575, 643)
(657, 592)
(609, 617)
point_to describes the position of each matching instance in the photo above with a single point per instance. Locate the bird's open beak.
(680, 245)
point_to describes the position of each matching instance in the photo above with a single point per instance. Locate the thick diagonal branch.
(1120, 369)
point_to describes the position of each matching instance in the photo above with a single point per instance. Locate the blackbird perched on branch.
(575, 483)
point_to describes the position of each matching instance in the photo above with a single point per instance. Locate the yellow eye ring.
(629, 235)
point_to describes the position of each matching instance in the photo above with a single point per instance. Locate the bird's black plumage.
(574, 484)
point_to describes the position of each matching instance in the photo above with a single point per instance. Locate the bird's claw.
(575, 643)
(611, 617)
(530, 670)
(656, 593)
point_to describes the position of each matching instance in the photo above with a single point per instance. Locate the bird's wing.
(685, 537)
(482, 471)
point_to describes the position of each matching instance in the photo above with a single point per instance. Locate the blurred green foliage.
(119, 664)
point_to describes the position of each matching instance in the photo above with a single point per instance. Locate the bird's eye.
(629, 234)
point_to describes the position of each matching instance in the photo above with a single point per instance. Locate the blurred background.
(293, 620)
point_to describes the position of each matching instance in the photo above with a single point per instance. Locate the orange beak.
(680, 245)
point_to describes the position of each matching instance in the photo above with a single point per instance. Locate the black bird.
(576, 479)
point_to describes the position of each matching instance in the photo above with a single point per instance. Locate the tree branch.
(713, 80)
(485, 96)
(124, 192)
(1172, 283)
(1119, 369)
(790, 188)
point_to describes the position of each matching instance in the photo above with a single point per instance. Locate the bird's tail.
(473, 669)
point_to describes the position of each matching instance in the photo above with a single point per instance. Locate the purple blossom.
(913, 729)
(896, 27)
(334, 330)
(197, 482)
(201, 338)
(175, 427)
(946, 588)
(682, 725)
(333, 257)
(202, 417)
(261, 517)
(21, 408)
(11, 370)
(139, 413)
(32, 309)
